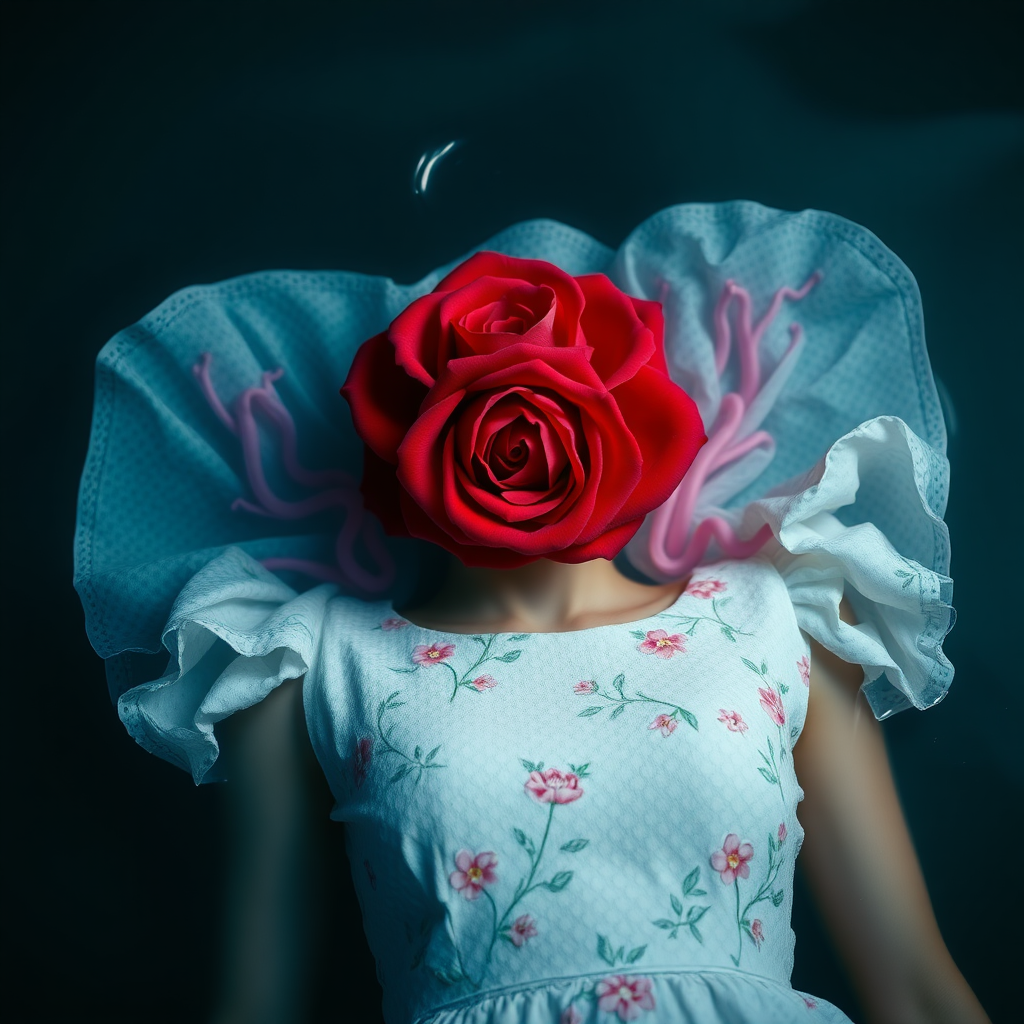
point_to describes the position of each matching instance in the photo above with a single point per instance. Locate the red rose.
(516, 412)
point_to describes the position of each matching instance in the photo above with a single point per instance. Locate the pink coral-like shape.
(662, 644)
(704, 588)
(554, 787)
(665, 723)
(733, 720)
(803, 666)
(585, 686)
(485, 682)
(392, 623)
(757, 932)
(361, 760)
(625, 995)
(731, 860)
(523, 929)
(772, 704)
(432, 654)
(474, 873)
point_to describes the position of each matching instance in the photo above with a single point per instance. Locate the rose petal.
(621, 342)
(382, 398)
(419, 339)
(652, 316)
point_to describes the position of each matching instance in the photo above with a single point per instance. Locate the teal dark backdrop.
(148, 146)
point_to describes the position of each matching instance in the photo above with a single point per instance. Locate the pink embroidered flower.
(584, 686)
(624, 995)
(432, 654)
(772, 704)
(523, 928)
(660, 643)
(704, 588)
(810, 1003)
(733, 720)
(803, 666)
(361, 760)
(390, 624)
(554, 787)
(484, 683)
(570, 1015)
(782, 832)
(666, 723)
(731, 860)
(473, 873)
(757, 932)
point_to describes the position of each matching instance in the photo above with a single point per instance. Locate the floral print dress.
(596, 825)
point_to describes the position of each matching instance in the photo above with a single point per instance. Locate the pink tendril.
(674, 549)
(339, 489)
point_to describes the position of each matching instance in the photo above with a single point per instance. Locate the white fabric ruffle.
(235, 633)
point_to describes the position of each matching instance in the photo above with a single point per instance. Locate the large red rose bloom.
(517, 412)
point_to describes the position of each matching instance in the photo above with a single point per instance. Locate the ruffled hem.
(707, 996)
(894, 579)
(235, 633)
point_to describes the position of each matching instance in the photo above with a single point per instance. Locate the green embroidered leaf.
(727, 633)
(768, 776)
(417, 753)
(665, 923)
(430, 757)
(605, 951)
(699, 892)
(695, 931)
(618, 682)
(690, 881)
(405, 671)
(694, 914)
(509, 656)
(451, 976)
(773, 843)
(618, 711)
(750, 665)
(560, 881)
(674, 933)
(523, 839)
(401, 773)
(594, 709)
(479, 640)
(907, 582)
(771, 749)
(530, 766)
(635, 954)
(506, 937)
(638, 633)
(764, 668)
(777, 898)
(677, 904)
(688, 717)
(574, 845)
(580, 770)
(519, 638)
(720, 602)
(783, 688)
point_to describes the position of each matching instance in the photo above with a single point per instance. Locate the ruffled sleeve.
(235, 633)
(865, 522)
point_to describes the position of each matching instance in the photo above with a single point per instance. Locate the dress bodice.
(586, 822)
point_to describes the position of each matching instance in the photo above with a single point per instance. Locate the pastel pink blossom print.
(570, 1015)
(361, 760)
(705, 589)
(523, 929)
(432, 654)
(584, 686)
(810, 1003)
(552, 786)
(772, 704)
(663, 644)
(482, 683)
(803, 666)
(625, 996)
(782, 832)
(732, 720)
(731, 861)
(473, 873)
(392, 623)
(757, 932)
(665, 724)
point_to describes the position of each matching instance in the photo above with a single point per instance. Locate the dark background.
(148, 146)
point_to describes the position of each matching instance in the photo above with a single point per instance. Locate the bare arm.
(277, 802)
(860, 862)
